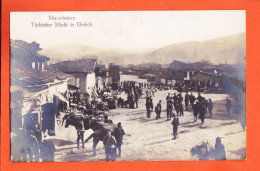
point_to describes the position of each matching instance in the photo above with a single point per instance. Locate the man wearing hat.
(119, 133)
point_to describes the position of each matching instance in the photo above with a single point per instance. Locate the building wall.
(78, 80)
(90, 82)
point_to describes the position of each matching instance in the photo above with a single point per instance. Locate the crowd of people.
(176, 105)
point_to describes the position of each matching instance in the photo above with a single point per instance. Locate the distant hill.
(69, 51)
(230, 49)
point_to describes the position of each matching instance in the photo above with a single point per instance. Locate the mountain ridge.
(229, 49)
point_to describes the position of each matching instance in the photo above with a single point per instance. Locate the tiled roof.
(79, 66)
(22, 51)
(32, 79)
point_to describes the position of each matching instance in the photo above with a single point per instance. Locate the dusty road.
(151, 139)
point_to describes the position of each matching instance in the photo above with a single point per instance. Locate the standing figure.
(195, 108)
(175, 124)
(181, 107)
(228, 105)
(192, 99)
(168, 98)
(175, 100)
(200, 98)
(149, 107)
(119, 133)
(137, 95)
(202, 112)
(219, 153)
(158, 109)
(109, 143)
(177, 108)
(80, 132)
(130, 99)
(187, 100)
(210, 106)
(160, 105)
(169, 109)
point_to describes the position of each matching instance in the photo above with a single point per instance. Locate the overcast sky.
(128, 30)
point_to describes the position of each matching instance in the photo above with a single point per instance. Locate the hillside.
(230, 49)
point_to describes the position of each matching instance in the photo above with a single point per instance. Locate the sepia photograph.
(128, 86)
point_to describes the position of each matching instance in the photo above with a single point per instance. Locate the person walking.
(149, 107)
(175, 100)
(109, 143)
(169, 109)
(119, 133)
(192, 99)
(175, 124)
(228, 105)
(158, 109)
(202, 112)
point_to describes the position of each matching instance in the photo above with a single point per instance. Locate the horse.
(80, 123)
(203, 151)
(98, 127)
(100, 131)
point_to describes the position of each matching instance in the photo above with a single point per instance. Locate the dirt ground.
(151, 140)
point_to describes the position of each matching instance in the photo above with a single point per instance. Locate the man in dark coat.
(119, 133)
(200, 98)
(169, 109)
(228, 105)
(160, 105)
(192, 99)
(130, 99)
(175, 124)
(195, 108)
(158, 109)
(181, 107)
(149, 107)
(219, 153)
(202, 112)
(187, 100)
(175, 100)
(180, 98)
(168, 98)
(109, 143)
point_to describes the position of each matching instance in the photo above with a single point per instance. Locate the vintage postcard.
(128, 86)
